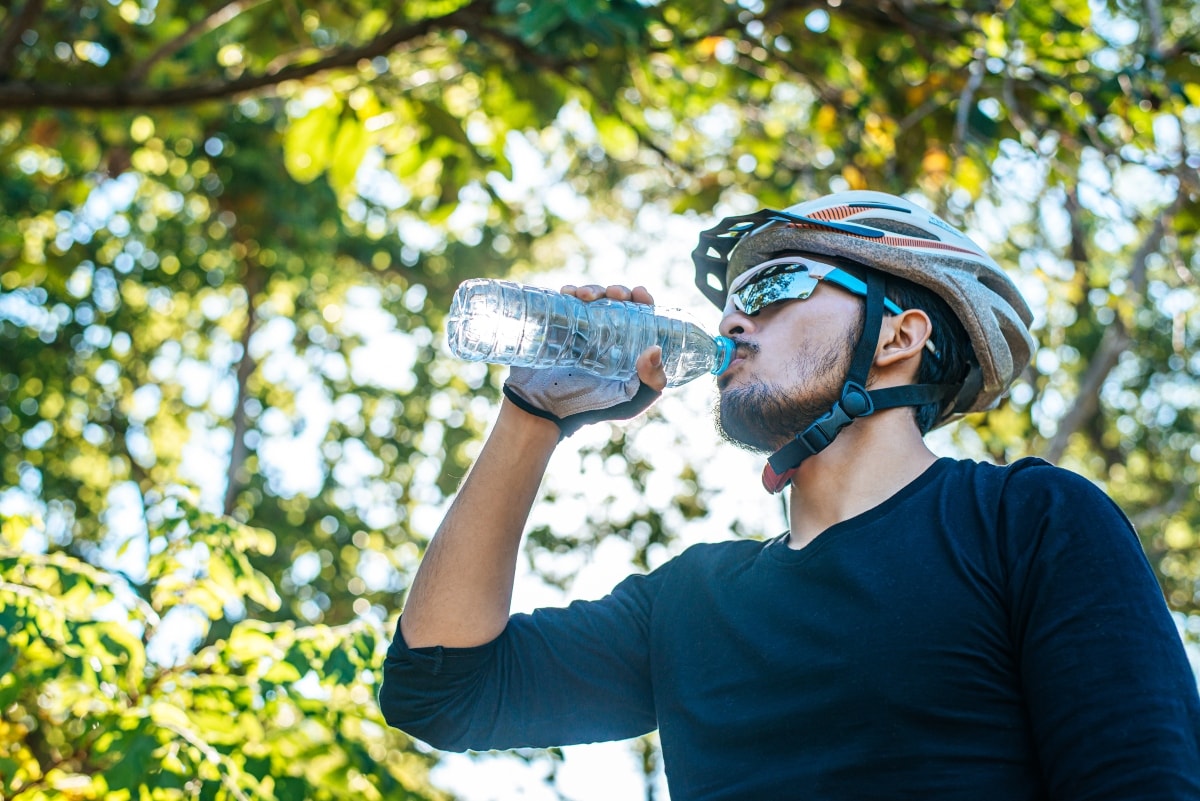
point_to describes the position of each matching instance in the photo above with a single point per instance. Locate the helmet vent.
(995, 283)
(897, 227)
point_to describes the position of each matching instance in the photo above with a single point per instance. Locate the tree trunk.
(237, 454)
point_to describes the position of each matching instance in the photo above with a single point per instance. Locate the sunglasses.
(790, 278)
(795, 278)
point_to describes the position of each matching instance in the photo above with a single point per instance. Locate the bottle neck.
(725, 349)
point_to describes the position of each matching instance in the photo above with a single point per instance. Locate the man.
(927, 628)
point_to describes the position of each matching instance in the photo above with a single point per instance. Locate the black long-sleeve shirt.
(987, 632)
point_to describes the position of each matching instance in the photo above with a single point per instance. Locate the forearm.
(461, 594)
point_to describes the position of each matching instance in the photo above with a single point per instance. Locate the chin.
(742, 434)
(762, 419)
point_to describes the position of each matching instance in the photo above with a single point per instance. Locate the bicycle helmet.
(891, 236)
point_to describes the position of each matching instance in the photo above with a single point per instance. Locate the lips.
(743, 350)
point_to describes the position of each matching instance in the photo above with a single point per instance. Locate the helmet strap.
(855, 401)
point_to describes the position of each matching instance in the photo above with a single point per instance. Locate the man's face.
(791, 360)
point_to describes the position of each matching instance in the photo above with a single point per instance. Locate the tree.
(214, 213)
(271, 711)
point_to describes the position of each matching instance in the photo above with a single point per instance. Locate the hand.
(572, 398)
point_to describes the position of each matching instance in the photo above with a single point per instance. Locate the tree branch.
(934, 102)
(28, 95)
(557, 67)
(1077, 250)
(1087, 401)
(1077, 247)
(1162, 510)
(254, 284)
(1154, 22)
(1113, 343)
(216, 19)
(12, 34)
(967, 99)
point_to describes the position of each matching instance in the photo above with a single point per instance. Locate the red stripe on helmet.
(892, 239)
(835, 213)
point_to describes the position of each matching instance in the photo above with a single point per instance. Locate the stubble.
(763, 418)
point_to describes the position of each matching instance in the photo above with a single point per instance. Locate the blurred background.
(229, 232)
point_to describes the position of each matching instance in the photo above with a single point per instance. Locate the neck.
(870, 461)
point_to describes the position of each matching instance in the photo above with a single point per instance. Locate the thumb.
(650, 369)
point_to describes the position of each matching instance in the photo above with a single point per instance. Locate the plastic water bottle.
(507, 323)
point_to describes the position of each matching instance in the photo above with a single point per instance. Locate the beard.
(762, 418)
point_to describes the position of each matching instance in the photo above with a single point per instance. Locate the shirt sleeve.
(1112, 700)
(556, 677)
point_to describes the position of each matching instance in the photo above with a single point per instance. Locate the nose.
(736, 322)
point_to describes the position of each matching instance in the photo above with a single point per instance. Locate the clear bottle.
(507, 323)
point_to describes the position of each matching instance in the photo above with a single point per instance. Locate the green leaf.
(542, 18)
(282, 673)
(221, 572)
(349, 147)
(339, 668)
(618, 139)
(308, 143)
(133, 764)
(442, 123)
(169, 716)
(250, 641)
(221, 254)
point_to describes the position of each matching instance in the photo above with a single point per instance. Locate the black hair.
(954, 352)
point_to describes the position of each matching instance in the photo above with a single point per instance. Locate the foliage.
(93, 708)
(229, 231)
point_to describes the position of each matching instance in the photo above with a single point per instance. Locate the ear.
(902, 337)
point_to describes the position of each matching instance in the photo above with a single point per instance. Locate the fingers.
(641, 295)
(650, 368)
(590, 292)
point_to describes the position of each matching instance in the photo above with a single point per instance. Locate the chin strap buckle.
(855, 402)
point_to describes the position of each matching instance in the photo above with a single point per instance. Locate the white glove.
(572, 398)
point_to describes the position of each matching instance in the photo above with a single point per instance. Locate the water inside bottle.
(503, 322)
(476, 328)
(496, 321)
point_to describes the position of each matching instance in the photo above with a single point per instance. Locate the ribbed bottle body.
(507, 323)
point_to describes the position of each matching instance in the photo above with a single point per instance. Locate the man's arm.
(1112, 701)
(461, 594)
(462, 591)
